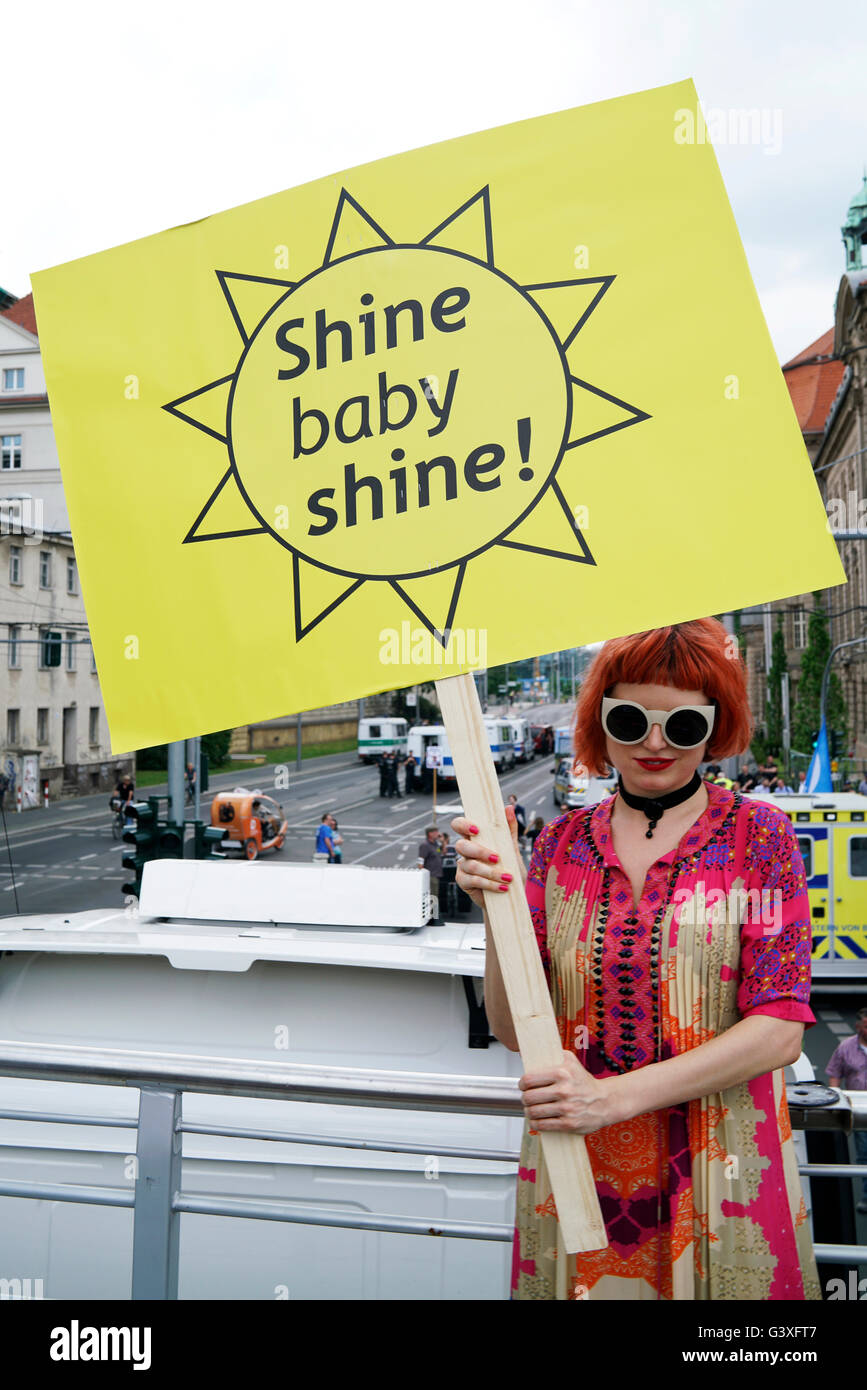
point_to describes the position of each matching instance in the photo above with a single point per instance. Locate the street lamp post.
(826, 675)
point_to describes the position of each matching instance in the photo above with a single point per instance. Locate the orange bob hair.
(698, 655)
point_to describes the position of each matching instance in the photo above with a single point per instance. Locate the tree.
(426, 708)
(807, 713)
(774, 704)
(216, 746)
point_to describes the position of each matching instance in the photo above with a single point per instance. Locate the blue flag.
(819, 771)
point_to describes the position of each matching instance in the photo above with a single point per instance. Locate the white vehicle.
(570, 790)
(219, 971)
(423, 737)
(563, 739)
(522, 741)
(381, 734)
(212, 968)
(502, 743)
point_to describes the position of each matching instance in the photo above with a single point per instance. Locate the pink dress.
(701, 1200)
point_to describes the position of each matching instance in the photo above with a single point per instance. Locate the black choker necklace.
(653, 806)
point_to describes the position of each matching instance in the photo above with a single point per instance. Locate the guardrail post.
(156, 1224)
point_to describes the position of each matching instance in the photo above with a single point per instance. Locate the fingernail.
(474, 830)
(507, 877)
(504, 887)
(493, 859)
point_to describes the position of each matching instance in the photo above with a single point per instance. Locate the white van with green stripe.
(382, 734)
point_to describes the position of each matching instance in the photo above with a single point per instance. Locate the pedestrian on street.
(848, 1070)
(448, 886)
(862, 785)
(4, 784)
(383, 774)
(337, 841)
(409, 768)
(430, 858)
(520, 816)
(325, 837)
(535, 827)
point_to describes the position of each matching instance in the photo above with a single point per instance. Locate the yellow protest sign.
(490, 398)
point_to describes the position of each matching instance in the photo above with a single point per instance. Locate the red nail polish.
(493, 859)
(507, 877)
(474, 830)
(504, 887)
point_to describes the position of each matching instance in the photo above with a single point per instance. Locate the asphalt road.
(65, 858)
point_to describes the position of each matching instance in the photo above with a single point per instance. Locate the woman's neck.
(683, 814)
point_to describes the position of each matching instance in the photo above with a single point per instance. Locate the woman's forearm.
(496, 1001)
(750, 1048)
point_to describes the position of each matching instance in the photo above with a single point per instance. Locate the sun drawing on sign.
(400, 410)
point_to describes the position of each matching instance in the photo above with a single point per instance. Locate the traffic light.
(208, 839)
(835, 743)
(144, 835)
(815, 737)
(171, 841)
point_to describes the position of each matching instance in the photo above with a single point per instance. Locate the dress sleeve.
(776, 935)
(540, 862)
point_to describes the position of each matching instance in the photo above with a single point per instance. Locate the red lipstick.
(655, 764)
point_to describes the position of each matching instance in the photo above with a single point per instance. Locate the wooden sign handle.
(565, 1154)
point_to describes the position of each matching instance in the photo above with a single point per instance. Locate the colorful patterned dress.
(701, 1200)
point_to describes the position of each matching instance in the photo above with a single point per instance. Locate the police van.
(832, 835)
(522, 741)
(431, 737)
(381, 734)
(501, 742)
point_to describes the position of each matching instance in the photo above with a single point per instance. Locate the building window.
(13, 726)
(94, 723)
(13, 649)
(799, 629)
(13, 378)
(15, 553)
(45, 569)
(10, 451)
(71, 576)
(71, 639)
(805, 845)
(50, 650)
(42, 726)
(92, 660)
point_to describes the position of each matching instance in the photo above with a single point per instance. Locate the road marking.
(92, 855)
(842, 1030)
(828, 1014)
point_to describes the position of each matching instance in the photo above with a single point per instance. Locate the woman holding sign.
(674, 928)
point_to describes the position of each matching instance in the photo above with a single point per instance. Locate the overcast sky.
(122, 119)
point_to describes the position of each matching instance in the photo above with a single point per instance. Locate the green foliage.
(216, 746)
(154, 759)
(807, 716)
(425, 709)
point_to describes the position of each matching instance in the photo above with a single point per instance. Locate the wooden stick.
(565, 1154)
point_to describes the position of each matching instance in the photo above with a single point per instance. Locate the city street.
(65, 859)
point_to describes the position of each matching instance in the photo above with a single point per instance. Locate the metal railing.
(157, 1198)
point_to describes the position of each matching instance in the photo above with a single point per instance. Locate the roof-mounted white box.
(326, 895)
